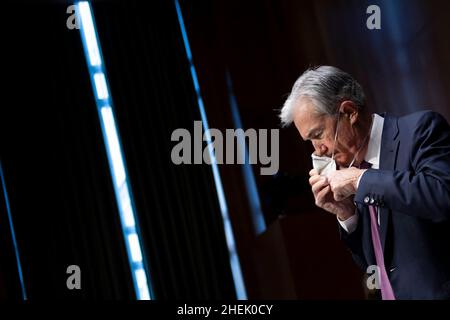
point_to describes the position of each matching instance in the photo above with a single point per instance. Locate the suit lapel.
(388, 157)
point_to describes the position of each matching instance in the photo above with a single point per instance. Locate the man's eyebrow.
(312, 131)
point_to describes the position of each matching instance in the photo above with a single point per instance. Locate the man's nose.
(320, 149)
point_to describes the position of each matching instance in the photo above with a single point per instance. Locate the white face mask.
(326, 165)
(323, 165)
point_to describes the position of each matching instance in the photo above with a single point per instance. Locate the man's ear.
(350, 110)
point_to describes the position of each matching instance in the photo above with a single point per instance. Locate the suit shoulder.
(425, 119)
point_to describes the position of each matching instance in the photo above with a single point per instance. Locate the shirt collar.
(374, 146)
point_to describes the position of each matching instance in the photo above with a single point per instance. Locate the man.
(391, 192)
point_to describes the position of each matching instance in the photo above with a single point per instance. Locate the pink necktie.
(385, 285)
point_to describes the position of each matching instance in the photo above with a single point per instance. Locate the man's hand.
(343, 183)
(324, 197)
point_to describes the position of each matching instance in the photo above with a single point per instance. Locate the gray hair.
(326, 86)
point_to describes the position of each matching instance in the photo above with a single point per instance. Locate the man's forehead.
(306, 110)
(307, 119)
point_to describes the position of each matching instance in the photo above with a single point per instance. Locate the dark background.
(56, 170)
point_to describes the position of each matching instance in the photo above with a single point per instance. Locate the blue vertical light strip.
(13, 234)
(259, 223)
(234, 258)
(396, 33)
(116, 160)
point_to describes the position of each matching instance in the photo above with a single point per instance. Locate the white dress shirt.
(373, 157)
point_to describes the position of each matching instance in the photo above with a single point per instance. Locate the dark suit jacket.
(412, 191)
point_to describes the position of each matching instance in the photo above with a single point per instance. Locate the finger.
(313, 172)
(320, 198)
(314, 179)
(339, 197)
(319, 185)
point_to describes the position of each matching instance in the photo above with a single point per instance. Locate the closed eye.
(316, 136)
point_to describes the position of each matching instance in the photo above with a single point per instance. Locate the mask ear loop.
(335, 139)
(353, 161)
(365, 139)
(335, 135)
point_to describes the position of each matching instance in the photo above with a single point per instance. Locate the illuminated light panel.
(234, 258)
(111, 138)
